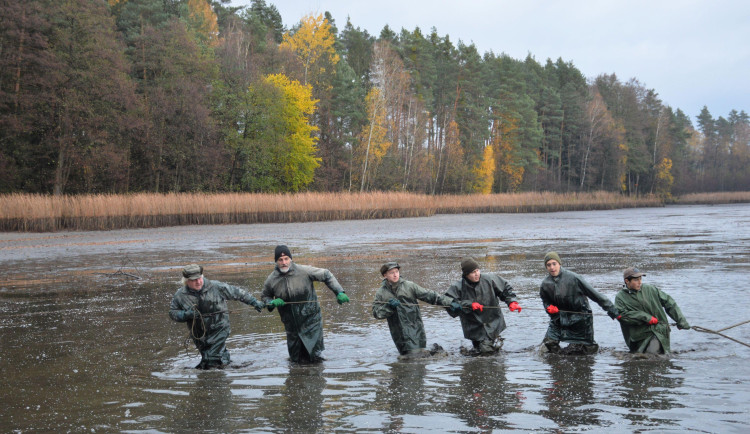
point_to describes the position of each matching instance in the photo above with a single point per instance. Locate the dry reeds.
(41, 213)
(714, 198)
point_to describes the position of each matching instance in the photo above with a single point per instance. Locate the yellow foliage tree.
(374, 143)
(299, 162)
(506, 140)
(203, 21)
(313, 43)
(664, 178)
(484, 172)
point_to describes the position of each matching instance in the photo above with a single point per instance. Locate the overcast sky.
(693, 53)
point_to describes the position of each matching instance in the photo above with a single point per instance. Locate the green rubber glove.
(188, 314)
(394, 303)
(455, 307)
(276, 302)
(342, 298)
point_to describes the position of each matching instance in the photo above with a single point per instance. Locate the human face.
(473, 277)
(284, 262)
(195, 284)
(634, 283)
(553, 268)
(392, 275)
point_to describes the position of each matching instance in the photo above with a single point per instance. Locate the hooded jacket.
(636, 309)
(405, 321)
(211, 301)
(570, 293)
(489, 323)
(302, 321)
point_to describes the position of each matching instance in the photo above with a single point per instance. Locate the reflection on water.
(571, 391)
(649, 385)
(107, 358)
(483, 396)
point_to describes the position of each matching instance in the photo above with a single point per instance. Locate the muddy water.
(87, 344)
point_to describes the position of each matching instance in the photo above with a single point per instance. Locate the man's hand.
(276, 302)
(394, 303)
(552, 309)
(653, 321)
(477, 306)
(514, 306)
(342, 298)
(258, 305)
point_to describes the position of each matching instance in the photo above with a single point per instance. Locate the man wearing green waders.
(290, 289)
(397, 301)
(202, 304)
(642, 315)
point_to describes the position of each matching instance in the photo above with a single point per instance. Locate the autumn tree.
(373, 140)
(484, 172)
(313, 43)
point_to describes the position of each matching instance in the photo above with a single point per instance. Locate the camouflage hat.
(632, 272)
(192, 272)
(389, 266)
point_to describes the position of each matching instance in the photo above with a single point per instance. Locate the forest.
(169, 96)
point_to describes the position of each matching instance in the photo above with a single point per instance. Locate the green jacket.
(302, 321)
(636, 309)
(211, 302)
(570, 293)
(405, 321)
(491, 288)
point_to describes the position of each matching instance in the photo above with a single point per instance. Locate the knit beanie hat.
(281, 250)
(468, 265)
(552, 255)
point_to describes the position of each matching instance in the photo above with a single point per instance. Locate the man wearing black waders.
(202, 304)
(565, 296)
(290, 289)
(479, 295)
(642, 315)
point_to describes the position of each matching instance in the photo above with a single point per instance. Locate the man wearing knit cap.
(479, 295)
(565, 297)
(290, 289)
(396, 301)
(642, 315)
(202, 304)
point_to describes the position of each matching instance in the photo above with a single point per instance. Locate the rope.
(486, 307)
(718, 332)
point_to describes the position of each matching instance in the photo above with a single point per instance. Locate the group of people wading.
(641, 309)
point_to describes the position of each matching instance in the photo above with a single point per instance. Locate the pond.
(87, 344)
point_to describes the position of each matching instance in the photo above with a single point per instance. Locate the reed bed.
(714, 198)
(43, 213)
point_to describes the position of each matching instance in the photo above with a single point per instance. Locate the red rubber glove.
(477, 306)
(552, 309)
(653, 321)
(514, 306)
(619, 317)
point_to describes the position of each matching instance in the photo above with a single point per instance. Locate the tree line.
(196, 95)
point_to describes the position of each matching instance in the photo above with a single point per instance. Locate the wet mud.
(87, 344)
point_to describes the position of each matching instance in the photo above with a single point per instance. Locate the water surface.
(88, 347)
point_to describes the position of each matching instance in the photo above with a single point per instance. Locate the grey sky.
(692, 52)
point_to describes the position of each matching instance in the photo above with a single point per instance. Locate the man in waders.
(479, 295)
(396, 301)
(642, 315)
(290, 289)
(202, 304)
(565, 296)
